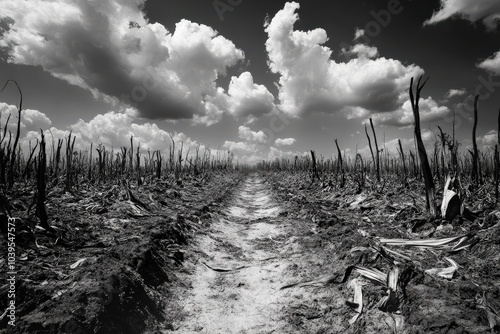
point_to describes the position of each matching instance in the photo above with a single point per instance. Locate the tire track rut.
(235, 286)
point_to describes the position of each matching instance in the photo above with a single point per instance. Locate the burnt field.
(254, 252)
(245, 167)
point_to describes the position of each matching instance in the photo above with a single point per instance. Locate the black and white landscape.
(230, 166)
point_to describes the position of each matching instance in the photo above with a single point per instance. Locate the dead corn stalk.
(41, 185)
(476, 178)
(430, 194)
(377, 151)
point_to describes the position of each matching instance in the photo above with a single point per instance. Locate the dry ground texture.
(261, 252)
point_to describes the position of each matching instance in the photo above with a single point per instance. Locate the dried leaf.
(463, 243)
(451, 205)
(391, 302)
(440, 243)
(38, 245)
(77, 263)
(224, 270)
(447, 273)
(394, 253)
(392, 278)
(374, 275)
(357, 300)
(322, 281)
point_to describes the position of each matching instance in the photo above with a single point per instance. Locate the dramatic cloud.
(284, 141)
(455, 92)
(247, 98)
(251, 136)
(473, 10)
(311, 81)
(30, 119)
(109, 48)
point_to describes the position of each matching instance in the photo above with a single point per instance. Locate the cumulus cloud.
(247, 98)
(362, 50)
(455, 92)
(491, 64)
(473, 10)
(109, 48)
(239, 147)
(114, 129)
(490, 139)
(284, 141)
(251, 136)
(311, 81)
(430, 112)
(30, 119)
(35, 118)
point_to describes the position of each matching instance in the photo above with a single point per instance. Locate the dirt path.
(236, 282)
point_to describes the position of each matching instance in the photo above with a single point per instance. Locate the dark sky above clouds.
(264, 80)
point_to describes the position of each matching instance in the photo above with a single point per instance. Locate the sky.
(263, 80)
